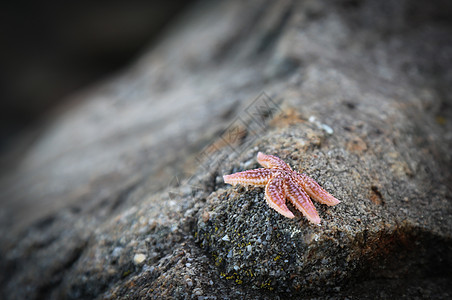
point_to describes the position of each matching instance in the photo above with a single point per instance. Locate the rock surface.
(122, 194)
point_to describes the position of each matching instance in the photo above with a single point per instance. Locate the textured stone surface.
(122, 195)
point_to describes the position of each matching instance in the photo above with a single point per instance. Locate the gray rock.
(356, 95)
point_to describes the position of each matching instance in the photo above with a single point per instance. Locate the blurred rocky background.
(51, 49)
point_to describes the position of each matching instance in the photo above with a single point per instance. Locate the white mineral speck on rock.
(116, 252)
(248, 163)
(139, 258)
(197, 291)
(230, 254)
(327, 129)
(324, 127)
(189, 282)
(147, 268)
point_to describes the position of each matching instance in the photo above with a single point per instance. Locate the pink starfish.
(282, 182)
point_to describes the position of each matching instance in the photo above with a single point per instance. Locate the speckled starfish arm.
(275, 194)
(314, 190)
(282, 182)
(272, 162)
(301, 201)
(258, 177)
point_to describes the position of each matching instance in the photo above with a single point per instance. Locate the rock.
(122, 195)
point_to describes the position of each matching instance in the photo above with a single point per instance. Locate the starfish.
(282, 182)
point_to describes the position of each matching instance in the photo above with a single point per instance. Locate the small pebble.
(226, 238)
(139, 258)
